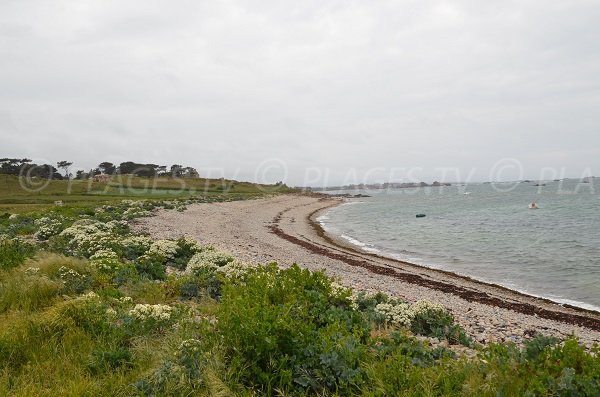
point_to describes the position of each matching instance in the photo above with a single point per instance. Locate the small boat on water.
(420, 215)
(533, 206)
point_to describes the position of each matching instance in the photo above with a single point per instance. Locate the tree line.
(26, 167)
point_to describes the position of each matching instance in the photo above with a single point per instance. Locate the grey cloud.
(330, 84)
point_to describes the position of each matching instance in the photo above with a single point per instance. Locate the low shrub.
(435, 321)
(533, 348)
(109, 360)
(189, 289)
(152, 266)
(283, 329)
(186, 249)
(152, 317)
(14, 252)
(210, 259)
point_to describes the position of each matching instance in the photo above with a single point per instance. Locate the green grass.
(18, 195)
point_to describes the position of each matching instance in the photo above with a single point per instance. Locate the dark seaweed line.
(464, 293)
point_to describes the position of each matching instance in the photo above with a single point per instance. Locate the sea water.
(487, 231)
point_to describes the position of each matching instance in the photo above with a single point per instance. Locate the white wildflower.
(126, 299)
(140, 243)
(90, 296)
(47, 227)
(105, 259)
(337, 289)
(403, 313)
(145, 312)
(353, 301)
(187, 347)
(104, 254)
(235, 269)
(67, 275)
(87, 236)
(32, 270)
(166, 248)
(209, 259)
(136, 212)
(399, 314)
(133, 203)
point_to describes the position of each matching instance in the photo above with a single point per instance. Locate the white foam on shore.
(582, 305)
(511, 286)
(558, 300)
(321, 221)
(351, 203)
(360, 244)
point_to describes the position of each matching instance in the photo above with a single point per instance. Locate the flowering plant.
(85, 237)
(151, 316)
(73, 281)
(47, 227)
(136, 212)
(105, 260)
(399, 314)
(235, 269)
(189, 356)
(165, 248)
(403, 314)
(31, 271)
(135, 246)
(208, 259)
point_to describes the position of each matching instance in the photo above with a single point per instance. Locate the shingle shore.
(278, 229)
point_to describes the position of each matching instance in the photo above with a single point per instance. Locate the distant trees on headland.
(25, 167)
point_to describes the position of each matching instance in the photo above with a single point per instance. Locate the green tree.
(176, 170)
(107, 167)
(64, 165)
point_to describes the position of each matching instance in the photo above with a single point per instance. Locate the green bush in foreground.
(287, 330)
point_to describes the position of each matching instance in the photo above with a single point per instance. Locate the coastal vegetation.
(90, 307)
(26, 186)
(21, 194)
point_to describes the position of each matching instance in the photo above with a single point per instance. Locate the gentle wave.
(370, 248)
(548, 253)
(364, 246)
(351, 203)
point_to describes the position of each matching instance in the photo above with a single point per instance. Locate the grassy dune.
(18, 195)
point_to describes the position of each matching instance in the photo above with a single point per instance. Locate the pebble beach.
(283, 229)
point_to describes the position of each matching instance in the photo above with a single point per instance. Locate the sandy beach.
(282, 229)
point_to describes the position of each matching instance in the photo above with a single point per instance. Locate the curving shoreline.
(283, 229)
(336, 241)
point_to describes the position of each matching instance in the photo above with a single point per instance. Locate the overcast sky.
(330, 87)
